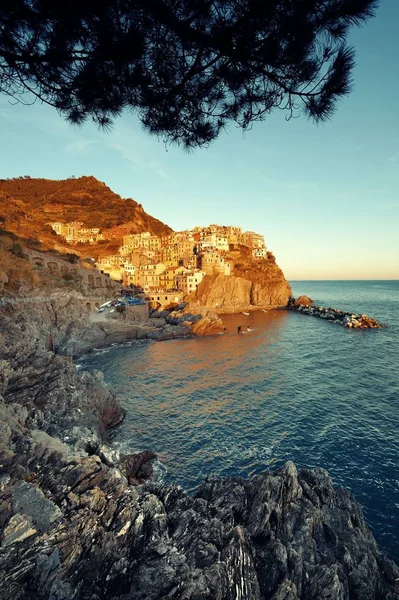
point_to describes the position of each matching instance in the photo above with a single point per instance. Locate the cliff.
(75, 521)
(28, 205)
(252, 284)
(72, 526)
(75, 524)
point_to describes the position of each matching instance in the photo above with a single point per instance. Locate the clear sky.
(325, 197)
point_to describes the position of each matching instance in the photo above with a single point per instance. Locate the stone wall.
(92, 279)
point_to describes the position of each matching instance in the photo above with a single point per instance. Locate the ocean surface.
(294, 387)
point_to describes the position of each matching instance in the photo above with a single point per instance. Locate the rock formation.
(73, 527)
(3, 280)
(199, 319)
(74, 524)
(303, 301)
(252, 285)
(351, 321)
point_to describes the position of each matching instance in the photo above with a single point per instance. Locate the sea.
(293, 387)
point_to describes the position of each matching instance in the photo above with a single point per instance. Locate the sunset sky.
(325, 197)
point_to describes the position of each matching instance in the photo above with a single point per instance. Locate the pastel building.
(72, 231)
(161, 298)
(259, 253)
(252, 240)
(136, 240)
(214, 263)
(189, 282)
(149, 275)
(129, 274)
(169, 278)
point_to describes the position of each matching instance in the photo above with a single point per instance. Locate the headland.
(78, 520)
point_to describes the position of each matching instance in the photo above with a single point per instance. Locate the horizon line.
(349, 279)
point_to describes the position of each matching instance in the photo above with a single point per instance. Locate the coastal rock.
(251, 284)
(5, 372)
(229, 294)
(64, 325)
(206, 326)
(157, 321)
(138, 467)
(220, 292)
(75, 524)
(19, 527)
(199, 319)
(282, 534)
(54, 395)
(169, 332)
(30, 500)
(358, 321)
(303, 301)
(186, 319)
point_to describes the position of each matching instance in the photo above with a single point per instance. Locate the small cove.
(294, 387)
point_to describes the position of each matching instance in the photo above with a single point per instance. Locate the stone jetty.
(350, 320)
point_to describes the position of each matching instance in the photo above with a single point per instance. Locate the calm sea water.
(295, 387)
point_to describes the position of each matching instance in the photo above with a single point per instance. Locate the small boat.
(263, 310)
(244, 313)
(106, 304)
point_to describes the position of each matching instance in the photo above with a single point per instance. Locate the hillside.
(28, 205)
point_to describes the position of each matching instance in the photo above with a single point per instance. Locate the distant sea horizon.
(353, 279)
(293, 388)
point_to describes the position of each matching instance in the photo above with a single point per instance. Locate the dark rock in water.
(138, 467)
(356, 321)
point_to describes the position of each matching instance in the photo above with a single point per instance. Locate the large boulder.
(199, 319)
(303, 301)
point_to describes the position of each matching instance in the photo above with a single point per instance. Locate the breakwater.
(347, 319)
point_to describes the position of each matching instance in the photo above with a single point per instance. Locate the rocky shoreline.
(77, 523)
(350, 320)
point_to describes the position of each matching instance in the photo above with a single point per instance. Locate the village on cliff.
(166, 268)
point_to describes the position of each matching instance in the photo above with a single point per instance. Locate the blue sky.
(325, 197)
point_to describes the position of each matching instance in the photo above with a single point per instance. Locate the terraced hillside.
(28, 205)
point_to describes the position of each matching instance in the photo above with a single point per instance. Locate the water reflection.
(292, 388)
(195, 414)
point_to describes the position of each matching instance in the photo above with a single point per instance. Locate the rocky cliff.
(253, 284)
(75, 525)
(78, 521)
(55, 395)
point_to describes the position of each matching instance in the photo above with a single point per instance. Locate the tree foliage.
(186, 67)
